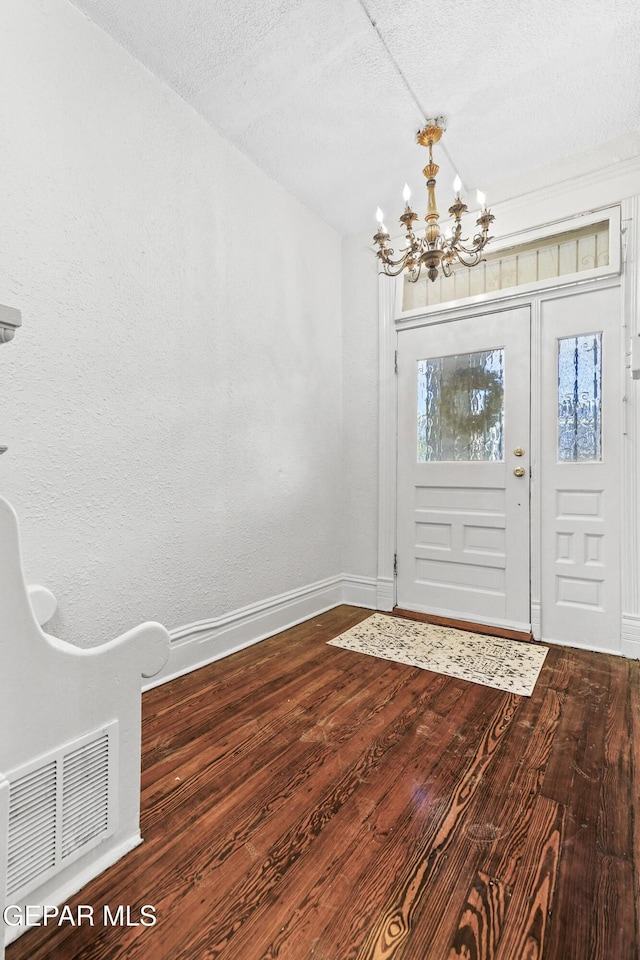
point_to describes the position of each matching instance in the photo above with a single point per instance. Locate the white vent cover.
(60, 807)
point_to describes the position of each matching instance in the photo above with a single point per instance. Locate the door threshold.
(465, 625)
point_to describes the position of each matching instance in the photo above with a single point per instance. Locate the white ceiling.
(309, 90)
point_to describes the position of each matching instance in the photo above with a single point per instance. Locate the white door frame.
(630, 400)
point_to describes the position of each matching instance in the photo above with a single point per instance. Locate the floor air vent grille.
(85, 795)
(32, 825)
(59, 808)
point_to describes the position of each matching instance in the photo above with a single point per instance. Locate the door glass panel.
(461, 407)
(580, 398)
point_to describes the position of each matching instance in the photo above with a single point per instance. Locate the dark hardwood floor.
(302, 801)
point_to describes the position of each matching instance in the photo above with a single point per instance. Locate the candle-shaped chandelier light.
(434, 250)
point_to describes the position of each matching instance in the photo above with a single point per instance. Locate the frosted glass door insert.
(461, 407)
(580, 398)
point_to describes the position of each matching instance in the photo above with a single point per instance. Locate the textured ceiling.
(311, 90)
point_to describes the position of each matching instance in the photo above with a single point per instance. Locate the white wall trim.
(203, 642)
(386, 593)
(630, 514)
(387, 461)
(535, 444)
(360, 591)
(535, 619)
(197, 644)
(630, 644)
(608, 184)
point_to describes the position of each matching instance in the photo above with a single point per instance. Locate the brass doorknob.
(519, 472)
(519, 451)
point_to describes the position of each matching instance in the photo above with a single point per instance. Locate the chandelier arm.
(483, 235)
(446, 267)
(479, 243)
(392, 268)
(472, 261)
(402, 261)
(390, 272)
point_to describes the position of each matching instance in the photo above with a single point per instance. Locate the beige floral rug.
(510, 665)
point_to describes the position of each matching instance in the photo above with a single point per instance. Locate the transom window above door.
(583, 248)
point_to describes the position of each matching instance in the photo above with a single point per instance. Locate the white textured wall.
(172, 402)
(360, 406)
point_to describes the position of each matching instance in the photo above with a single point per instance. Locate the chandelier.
(434, 250)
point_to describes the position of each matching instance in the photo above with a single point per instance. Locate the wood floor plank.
(241, 828)
(533, 740)
(303, 802)
(633, 714)
(245, 822)
(393, 804)
(342, 777)
(524, 934)
(239, 740)
(491, 838)
(584, 927)
(389, 936)
(614, 820)
(482, 919)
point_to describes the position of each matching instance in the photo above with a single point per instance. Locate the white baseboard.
(630, 644)
(360, 591)
(536, 624)
(199, 643)
(386, 593)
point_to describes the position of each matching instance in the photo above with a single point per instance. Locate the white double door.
(465, 464)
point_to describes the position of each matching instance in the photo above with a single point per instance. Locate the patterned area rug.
(509, 665)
